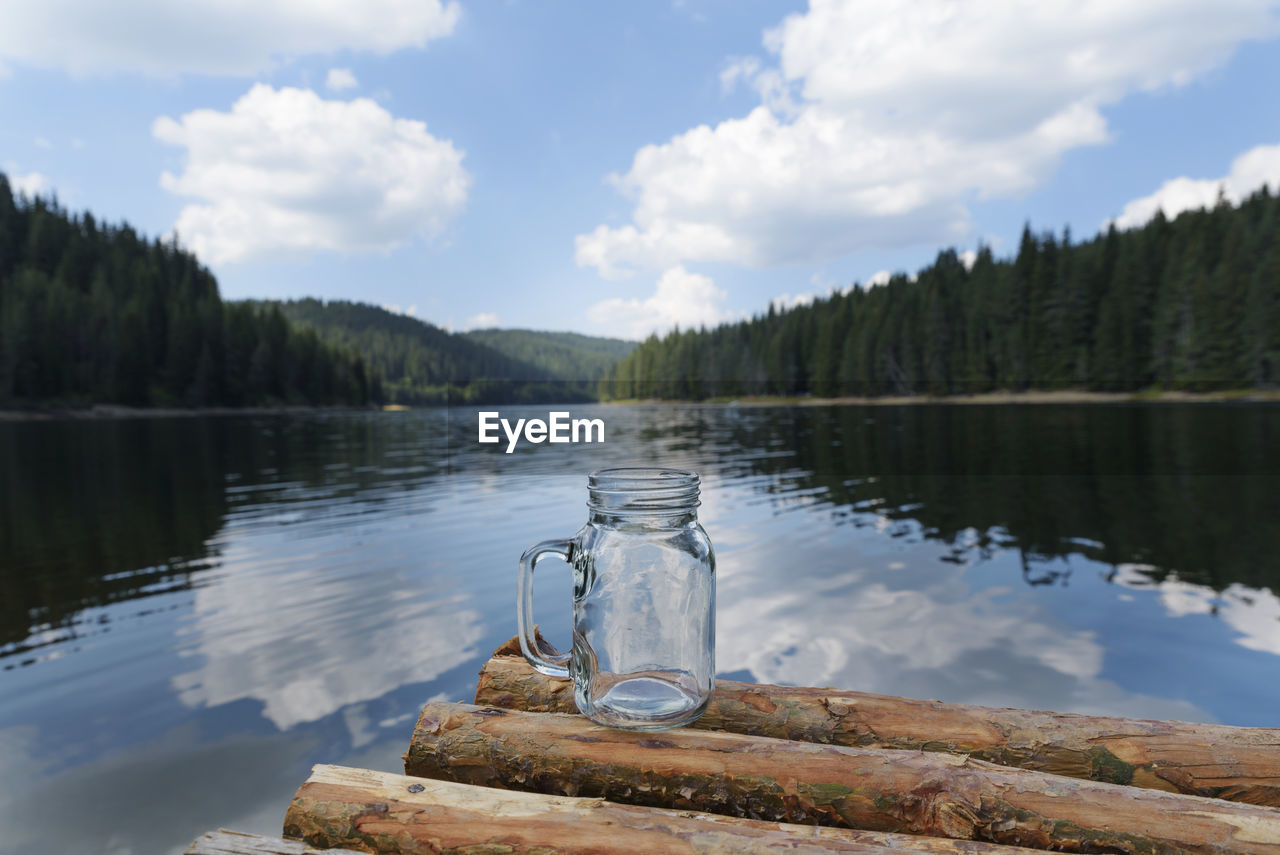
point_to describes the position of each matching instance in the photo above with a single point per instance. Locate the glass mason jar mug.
(643, 655)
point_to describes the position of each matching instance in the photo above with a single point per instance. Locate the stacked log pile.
(1234, 763)
(917, 792)
(801, 770)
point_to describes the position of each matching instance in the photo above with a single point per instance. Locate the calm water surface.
(195, 611)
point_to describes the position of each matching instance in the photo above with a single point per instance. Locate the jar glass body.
(643, 654)
(643, 621)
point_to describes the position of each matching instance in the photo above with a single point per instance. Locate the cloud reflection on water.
(1254, 613)
(856, 614)
(292, 589)
(307, 635)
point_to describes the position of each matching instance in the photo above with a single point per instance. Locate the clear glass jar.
(643, 655)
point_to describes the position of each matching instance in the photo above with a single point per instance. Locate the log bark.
(1239, 764)
(223, 842)
(781, 780)
(381, 812)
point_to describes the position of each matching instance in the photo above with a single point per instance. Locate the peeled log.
(380, 812)
(1240, 764)
(225, 842)
(781, 780)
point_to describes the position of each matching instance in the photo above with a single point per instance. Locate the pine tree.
(1191, 303)
(95, 313)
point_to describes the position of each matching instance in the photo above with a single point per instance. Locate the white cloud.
(683, 298)
(789, 301)
(740, 69)
(158, 37)
(969, 258)
(31, 184)
(820, 281)
(395, 309)
(880, 121)
(285, 171)
(339, 79)
(484, 320)
(41, 142)
(827, 287)
(1249, 172)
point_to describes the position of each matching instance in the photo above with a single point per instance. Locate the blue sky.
(618, 168)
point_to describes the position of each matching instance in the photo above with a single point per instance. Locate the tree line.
(93, 312)
(563, 355)
(1189, 304)
(420, 363)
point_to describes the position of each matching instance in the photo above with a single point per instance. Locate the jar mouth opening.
(643, 490)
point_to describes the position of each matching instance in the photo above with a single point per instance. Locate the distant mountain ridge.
(564, 355)
(421, 363)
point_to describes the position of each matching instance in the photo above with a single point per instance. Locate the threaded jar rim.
(643, 490)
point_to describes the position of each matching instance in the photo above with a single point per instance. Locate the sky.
(619, 169)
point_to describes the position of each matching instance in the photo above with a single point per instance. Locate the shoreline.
(1068, 396)
(1065, 396)
(122, 411)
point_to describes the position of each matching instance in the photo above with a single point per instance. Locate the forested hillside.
(423, 364)
(1190, 304)
(565, 356)
(94, 312)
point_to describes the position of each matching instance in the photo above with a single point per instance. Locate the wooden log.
(223, 842)
(782, 780)
(1239, 764)
(381, 812)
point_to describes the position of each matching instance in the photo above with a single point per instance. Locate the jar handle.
(552, 664)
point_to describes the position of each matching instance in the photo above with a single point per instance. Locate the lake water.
(193, 611)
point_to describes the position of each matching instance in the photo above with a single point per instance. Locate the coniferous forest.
(92, 312)
(567, 356)
(1189, 304)
(420, 363)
